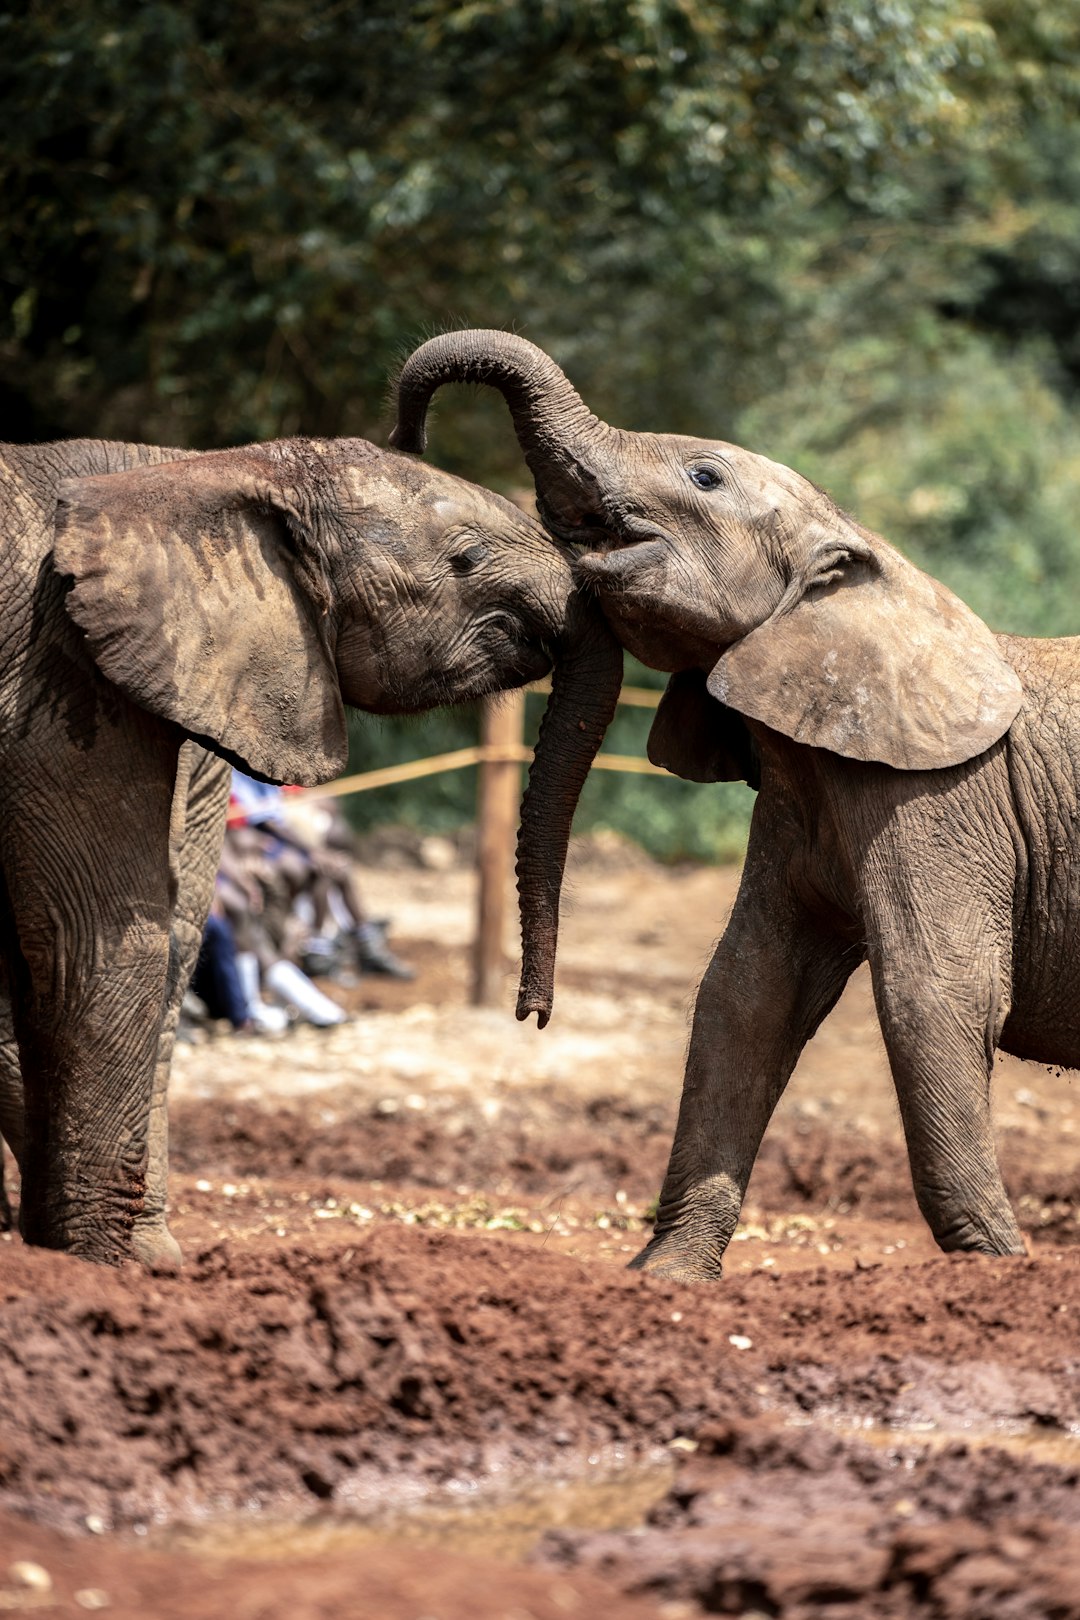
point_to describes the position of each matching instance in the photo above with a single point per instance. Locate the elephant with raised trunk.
(159, 604)
(919, 800)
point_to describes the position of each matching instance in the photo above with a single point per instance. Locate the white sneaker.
(293, 987)
(268, 1020)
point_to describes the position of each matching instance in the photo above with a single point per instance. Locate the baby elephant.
(158, 604)
(919, 800)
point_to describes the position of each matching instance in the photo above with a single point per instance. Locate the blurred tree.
(228, 218)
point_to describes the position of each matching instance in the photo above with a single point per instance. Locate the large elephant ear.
(697, 738)
(871, 658)
(199, 600)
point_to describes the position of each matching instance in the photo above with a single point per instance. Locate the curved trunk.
(562, 441)
(553, 425)
(584, 691)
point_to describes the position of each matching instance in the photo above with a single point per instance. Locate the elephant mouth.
(634, 568)
(572, 529)
(529, 645)
(611, 530)
(530, 663)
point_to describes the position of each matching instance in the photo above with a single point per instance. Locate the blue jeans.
(216, 980)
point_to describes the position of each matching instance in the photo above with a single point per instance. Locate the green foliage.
(845, 232)
(435, 803)
(227, 219)
(971, 466)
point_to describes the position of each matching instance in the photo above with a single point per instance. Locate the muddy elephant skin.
(167, 613)
(919, 802)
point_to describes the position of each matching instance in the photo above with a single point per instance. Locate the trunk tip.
(540, 1005)
(412, 441)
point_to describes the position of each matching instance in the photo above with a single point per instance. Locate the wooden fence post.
(498, 798)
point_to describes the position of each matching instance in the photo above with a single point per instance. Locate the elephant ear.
(199, 599)
(871, 658)
(697, 738)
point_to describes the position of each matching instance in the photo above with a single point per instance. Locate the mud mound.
(289, 1379)
(802, 1526)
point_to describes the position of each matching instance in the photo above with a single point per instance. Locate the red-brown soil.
(404, 1315)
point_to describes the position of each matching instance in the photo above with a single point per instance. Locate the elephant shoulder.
(1048, 668)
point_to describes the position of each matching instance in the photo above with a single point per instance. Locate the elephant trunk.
(560, 437)
(553, 424)
(584, 691)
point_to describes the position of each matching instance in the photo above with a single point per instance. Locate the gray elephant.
(919, 800)
(160, 604)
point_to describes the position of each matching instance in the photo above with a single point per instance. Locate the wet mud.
(404, 1322)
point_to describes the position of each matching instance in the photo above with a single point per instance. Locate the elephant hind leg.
(12, 1124)
(200, 801)
(941, 1018)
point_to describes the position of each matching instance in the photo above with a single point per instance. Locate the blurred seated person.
(228, 980)
(217, 980)
(311, 853)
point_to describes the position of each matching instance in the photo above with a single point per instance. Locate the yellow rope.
(412, 770)
(636, 697)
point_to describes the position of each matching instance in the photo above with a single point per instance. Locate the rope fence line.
(635, 697)
(412, 770)
(502, 729)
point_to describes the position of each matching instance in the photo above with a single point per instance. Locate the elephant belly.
(1044, 1021)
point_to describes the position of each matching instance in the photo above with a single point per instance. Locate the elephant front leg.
(88, 906)
(776, 973)
(88, 1063)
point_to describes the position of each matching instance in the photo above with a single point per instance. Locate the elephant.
(918, 782)
(167, 614)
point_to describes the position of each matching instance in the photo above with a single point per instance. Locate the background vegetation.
(844, 232)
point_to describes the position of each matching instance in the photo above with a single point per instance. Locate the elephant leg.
(942, 996)
(11, 1098)
(87, 908)
(200, 802)
(776, 973)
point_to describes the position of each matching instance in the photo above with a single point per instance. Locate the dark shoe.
(320, 957)
(373, 954)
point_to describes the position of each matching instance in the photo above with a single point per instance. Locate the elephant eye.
(465, 562)
(706, 477)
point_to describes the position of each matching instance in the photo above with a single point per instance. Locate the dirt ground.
(405, 1374)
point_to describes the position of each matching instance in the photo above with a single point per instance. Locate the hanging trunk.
(559, 435)
(561, 439)
(584, 691)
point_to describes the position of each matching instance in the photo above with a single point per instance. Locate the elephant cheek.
(653, 643)
(365, 672)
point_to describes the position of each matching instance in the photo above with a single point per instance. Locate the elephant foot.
(153, 1246)
(964, 1226)
(662, 1258)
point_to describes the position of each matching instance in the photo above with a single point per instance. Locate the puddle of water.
(491, 1520)
(1040, 1444)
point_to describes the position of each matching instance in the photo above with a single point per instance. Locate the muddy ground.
(404, 1372)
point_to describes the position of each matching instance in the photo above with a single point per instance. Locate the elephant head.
(740, 578)
(246, 595)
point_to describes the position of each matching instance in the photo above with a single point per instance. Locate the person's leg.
(216, 980)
